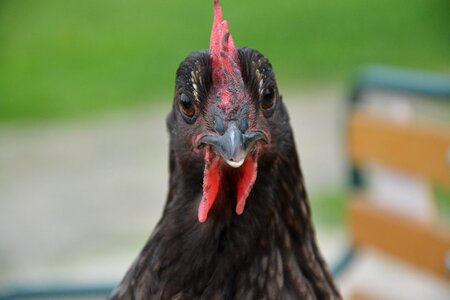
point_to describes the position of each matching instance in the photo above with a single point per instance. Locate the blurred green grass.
(328, 207)
(442, 194)
(61, 59)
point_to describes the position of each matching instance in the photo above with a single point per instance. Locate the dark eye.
(267, 99)
(186, 105)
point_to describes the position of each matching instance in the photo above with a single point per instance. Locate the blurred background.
(85, 87)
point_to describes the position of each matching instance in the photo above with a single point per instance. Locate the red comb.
(226, 73)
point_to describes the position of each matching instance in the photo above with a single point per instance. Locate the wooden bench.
(416, 148)
(419, 149)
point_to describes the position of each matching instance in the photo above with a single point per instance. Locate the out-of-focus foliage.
(442, 195)
(328, 207)
(65, 58)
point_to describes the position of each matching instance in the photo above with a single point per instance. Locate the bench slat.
(420, 243)
(416, 148)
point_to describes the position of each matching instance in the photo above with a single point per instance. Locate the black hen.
(231, 147)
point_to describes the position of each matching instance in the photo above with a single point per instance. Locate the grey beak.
(233, 145)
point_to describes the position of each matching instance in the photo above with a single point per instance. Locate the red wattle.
(211, 181)
(245, 183)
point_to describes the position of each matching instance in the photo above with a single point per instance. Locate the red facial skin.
(228, 88)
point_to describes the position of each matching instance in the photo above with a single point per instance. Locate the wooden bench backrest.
(422, 150)
(418, 149)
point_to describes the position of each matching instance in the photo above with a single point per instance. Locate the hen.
(236, 224)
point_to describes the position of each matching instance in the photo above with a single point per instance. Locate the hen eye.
(267, 99)
(186, 105)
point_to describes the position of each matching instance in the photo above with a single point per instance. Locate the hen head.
(226, 118)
